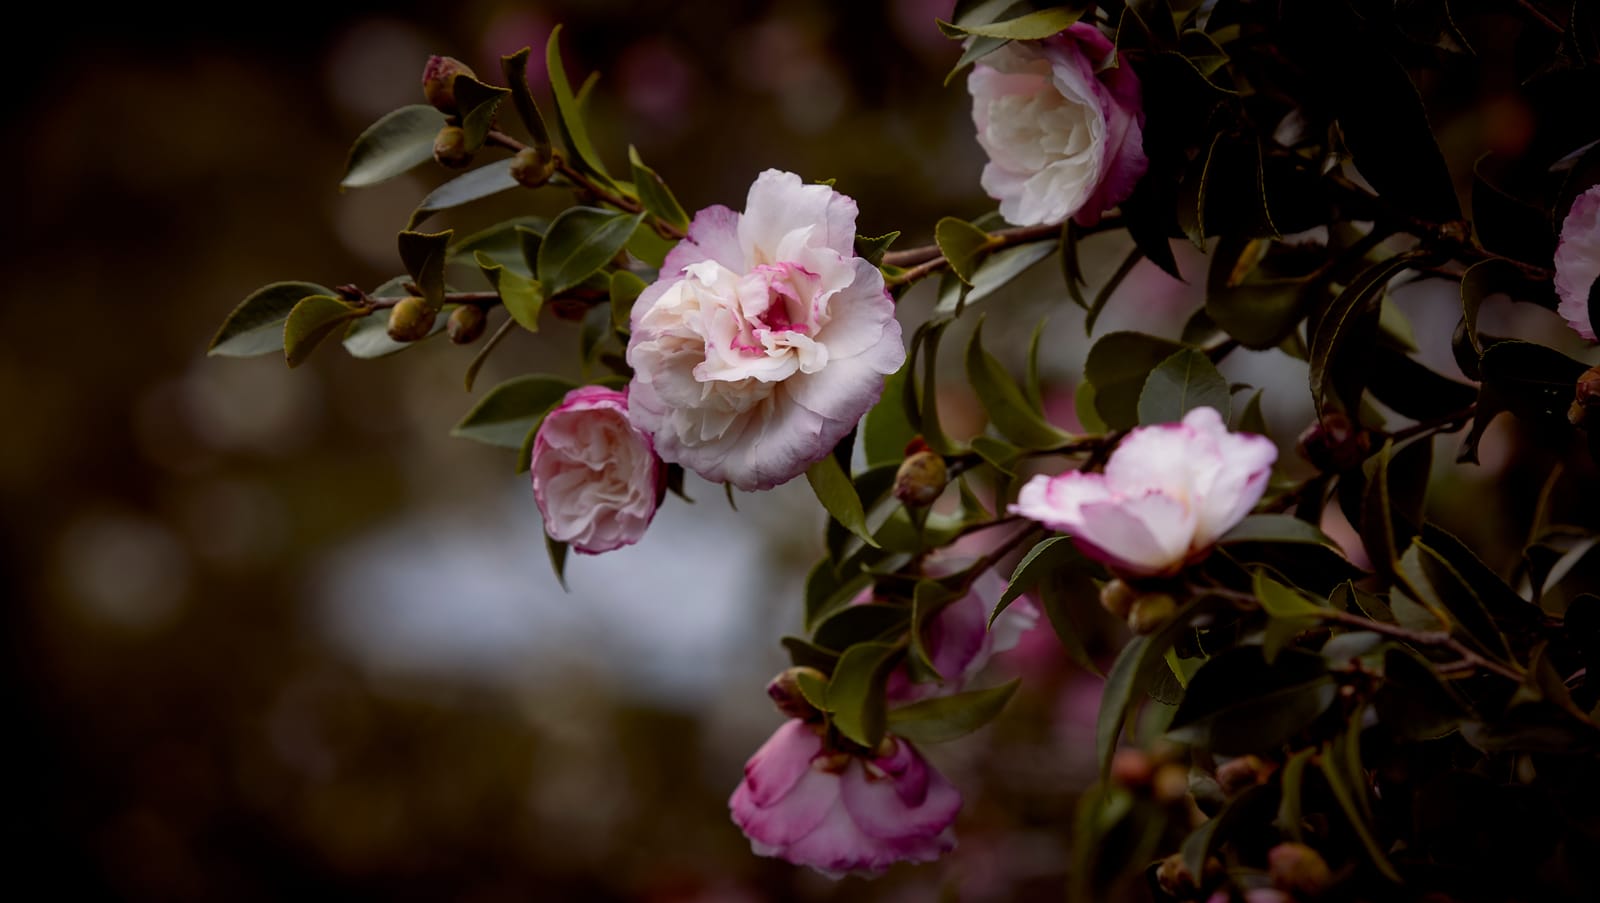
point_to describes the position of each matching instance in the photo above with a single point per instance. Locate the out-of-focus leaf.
(1412, 390)
(1008, 408)
(1027, 27)
(1181, 383)
(557, 550)
(1345, 335)
(803, 653)
(827, 591)
(1237, 703)
(393, 145)
(368, 336)
(507, 412)
(255, 327)
(886, 431)
(1205, 840)
(1275, 528)
(945, 718)
(477, 362)
(625, 289)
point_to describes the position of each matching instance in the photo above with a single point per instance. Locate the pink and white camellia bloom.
(838, 812)
(596, 478)
(960, 641)
(1167, 494)
(1065, 138)
(1578, 261)
(764, 340)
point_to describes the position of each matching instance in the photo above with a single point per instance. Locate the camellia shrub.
(1284, 716)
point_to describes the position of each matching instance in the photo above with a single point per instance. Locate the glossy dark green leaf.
(515, 69)
(1181, 383)
(1413, 702)
(871, 249)
(838, 497)
(1238, 703)
(1280, 601)
(424, 255)
(1070, 596)
(312, 320)
(886, 430)
(1132, 673)
(1342, 343)
(1509, 215)
(1275, 528)
(922, 396)
(855, 692)
(962, 244)
(473, 185)
(557, 551)
(1252, 420)
(827, 591)
(862, 623)
(1480, 282)
(805, 654)
(569, 113)
(657, 198)
(1118, 365)
(581, 242)
(255, 327)
(1040, 561)
(997, 270)
(1534, 382)
(523, 297)
(507, 412)
(501, 243)
(1008, 408)
(479, 104)
(945, 718)
(396, 143)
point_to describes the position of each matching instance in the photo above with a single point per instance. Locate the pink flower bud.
(439, 81)
(596, 479)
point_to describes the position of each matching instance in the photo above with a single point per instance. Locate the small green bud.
(1150, 611)
(1118, 597)
(784, 691)
(1298, 869)
(450, 147)
(531, 168)
(921, 479)
(1585, 410)
(439, 81)
(410, 320)
(466, 324)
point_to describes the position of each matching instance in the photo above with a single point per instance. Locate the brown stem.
(583, 181)
(1439, 638)
(1004, 238)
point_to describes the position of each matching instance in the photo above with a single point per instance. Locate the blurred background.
(275, 634)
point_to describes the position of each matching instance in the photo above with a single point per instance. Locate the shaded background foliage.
(220, 679)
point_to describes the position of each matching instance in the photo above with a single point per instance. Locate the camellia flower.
(1167, 494)
(1063, 139)
(1578, 261)
(961, 643)
(765, 340)
(839, 812)
(596, 478)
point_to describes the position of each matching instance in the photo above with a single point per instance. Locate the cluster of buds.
(439, 87)
(1158, 773)
(1145, 612)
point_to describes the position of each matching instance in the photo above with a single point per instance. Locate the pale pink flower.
(1064, 135)
(595, 477)
(840, 812)
(1578, 261)
(1167, 494)
(765, 339)
(961, 643)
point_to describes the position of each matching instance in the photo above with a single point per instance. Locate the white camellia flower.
(1167, 494)
(1064, 136)
(764, 340)
(1578, 261)
(595, 477)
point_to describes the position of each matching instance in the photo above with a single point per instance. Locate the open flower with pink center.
(765, 339)
(595, 477)
(1578, 261)
(1167, 494)
(1064, 136)
(840, 812)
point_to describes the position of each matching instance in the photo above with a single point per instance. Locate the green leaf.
(1275, 528)
(1480, 282)
(1291, 784)
(654, 193)
(855, 692)
(1043, 558)
(962, 244)
(557, 550)
(998, 269)
(569, 114)
(1260, 313)
(1031, 386)
(478, 103)
(255, 327)
(1088, 414)
(1071, 266)
(1204, 840)
(523, 297)
(1280, 601)
(515, 68)
(1351, 798)
(1109, 288)
(1181, 383)
(1118, 365)
(1008, 409)
(808, 655)
(871, 249)
(928, 599)
(1391, 510)
(827, 591)
(838, 496)
(368, 336)
(1439, 586)
(502, 243)
(474, 185)
(945, 718)
(1029, 27)
(862, 623)
(1346, 333)
(312, 320)
(1252, 421)
(581, 242)
(1535, 383)
(625, 289)
(1070, 598)
(648, 245)
(886, 431)
(922, 400)
(1412, 390)
(424, 254)
(1237, 703)
(507, 412)
(477, 363)
(394, 144)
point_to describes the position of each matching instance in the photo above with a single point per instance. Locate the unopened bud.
(1118, 597)
(784, 691)
(921, 479)
(1175, 878)
(531, 168)
(1299, 870)
(1131, 768)
(1585, 410)
(410, 320)
(450, 147)
(1150, 611)
(1236, 775)
(1170, 784)
(1333, 444)
(439, 81)
(466, 324)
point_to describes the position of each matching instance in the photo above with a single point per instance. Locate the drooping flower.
(1578, 261)
(961, 643)
(764, 340)
(1167, 494)
(595, 477)
(1064, 136)
(841, 812)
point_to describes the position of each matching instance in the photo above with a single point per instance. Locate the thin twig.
(583, 181)
(1438, 638)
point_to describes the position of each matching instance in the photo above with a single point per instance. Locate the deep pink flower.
(838, 812)
(1065, 137)
(1578, 261)
(595, 477)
